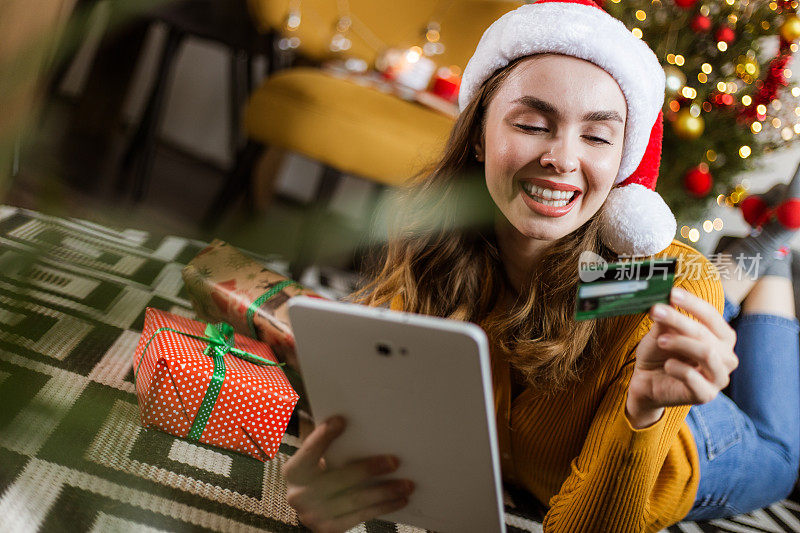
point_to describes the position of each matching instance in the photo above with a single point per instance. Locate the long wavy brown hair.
(441, 257)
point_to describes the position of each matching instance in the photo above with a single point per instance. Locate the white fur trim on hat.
(636, 221)
(585, 32)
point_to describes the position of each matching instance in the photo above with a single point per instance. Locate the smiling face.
(552, 144)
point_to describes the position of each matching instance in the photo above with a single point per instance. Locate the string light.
(746, 100)
(744, 152)
(637, 33)
(693, 234)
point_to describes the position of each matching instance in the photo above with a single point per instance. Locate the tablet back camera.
(384, 348)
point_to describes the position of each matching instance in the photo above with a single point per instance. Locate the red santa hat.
(636, 220)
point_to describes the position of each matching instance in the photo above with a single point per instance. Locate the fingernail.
(677, 294)
(390, 462)
(663, 339)
(405, 487)
(659, 311)
(336, 424)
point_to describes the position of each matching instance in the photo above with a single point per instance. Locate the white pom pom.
(637, 221)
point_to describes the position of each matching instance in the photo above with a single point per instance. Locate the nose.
(561, 157)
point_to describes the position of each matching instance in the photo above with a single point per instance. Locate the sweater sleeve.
(615, 480)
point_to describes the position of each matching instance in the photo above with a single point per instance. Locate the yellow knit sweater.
(578, 453)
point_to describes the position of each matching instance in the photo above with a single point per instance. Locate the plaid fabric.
(72, 453)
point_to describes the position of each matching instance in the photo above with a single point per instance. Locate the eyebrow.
(546, 107)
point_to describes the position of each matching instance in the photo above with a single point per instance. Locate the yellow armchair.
(350, 128)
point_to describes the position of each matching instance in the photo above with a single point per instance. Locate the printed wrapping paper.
(209, 391)
(226, 285)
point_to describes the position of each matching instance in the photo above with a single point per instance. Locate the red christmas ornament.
(685, 4)
(698, 181)
(725, 34)
(754, 210)
(700, 24)
(788, 213)
(721, 100)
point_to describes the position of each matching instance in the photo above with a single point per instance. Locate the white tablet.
(415, 386)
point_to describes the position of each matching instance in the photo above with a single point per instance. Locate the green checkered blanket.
(72, 453)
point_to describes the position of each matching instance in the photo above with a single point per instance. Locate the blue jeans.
(749, 443)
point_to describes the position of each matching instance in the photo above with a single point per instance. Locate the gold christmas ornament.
(747, 69)
(790, 29)
(688, 127)
(676, 79)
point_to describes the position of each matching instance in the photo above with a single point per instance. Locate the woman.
(551, 156)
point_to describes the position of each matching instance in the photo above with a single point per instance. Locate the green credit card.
(623, 288)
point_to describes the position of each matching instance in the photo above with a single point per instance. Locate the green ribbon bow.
(220, 342)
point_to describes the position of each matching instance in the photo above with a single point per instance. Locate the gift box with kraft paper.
(225, 284)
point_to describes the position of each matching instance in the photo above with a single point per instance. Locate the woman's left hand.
(680, 361)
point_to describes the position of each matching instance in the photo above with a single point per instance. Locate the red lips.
(549, 210)
(552, 184)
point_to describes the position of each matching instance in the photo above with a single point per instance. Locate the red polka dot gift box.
(204, 383)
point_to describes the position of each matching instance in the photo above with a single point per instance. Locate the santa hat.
(636, 220)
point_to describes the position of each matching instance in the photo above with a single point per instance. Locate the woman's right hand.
(334, 500)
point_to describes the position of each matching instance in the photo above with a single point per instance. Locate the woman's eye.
(526, 127)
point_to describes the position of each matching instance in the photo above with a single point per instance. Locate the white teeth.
(548, 196)
(556, 203)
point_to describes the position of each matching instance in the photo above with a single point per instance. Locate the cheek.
(505, 155)
(604, 169)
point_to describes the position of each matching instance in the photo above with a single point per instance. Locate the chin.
(545, 228)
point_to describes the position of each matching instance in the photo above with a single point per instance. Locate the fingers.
(703, 311)
(354, 473)
(698, 387)
(305, 463)
(348, 521)
(710, 321)
(668, 316)
(714, 368)
(364, 498)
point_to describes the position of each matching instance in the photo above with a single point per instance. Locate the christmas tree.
(729, 98)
